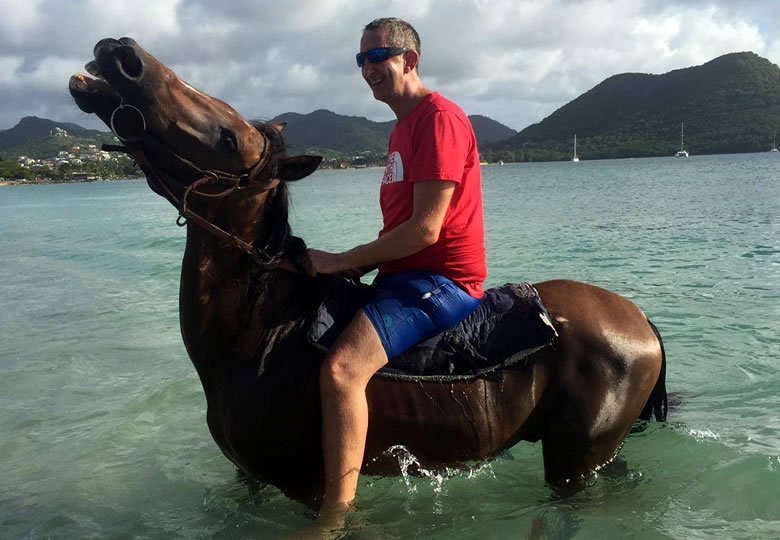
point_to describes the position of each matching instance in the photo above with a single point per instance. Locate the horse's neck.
(229, 306)
(214, 274)
(216, 298)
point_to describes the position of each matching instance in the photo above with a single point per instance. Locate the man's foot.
(329, 523)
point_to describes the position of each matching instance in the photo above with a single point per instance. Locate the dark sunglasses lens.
(378, 55)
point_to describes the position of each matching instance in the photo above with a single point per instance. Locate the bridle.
(164, 182)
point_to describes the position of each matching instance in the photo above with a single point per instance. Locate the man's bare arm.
(431, 201)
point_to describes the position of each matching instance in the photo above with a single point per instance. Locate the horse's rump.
(509, 325)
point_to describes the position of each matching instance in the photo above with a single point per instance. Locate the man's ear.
(297, 167)
(411, 59)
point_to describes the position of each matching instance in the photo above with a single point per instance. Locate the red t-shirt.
(436, 142)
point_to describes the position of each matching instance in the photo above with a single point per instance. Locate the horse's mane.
(274, 236)
(274, 233)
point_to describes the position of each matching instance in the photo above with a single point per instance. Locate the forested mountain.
(488, 130)
(321, 131)
(31, 127)
(38, 138)
(730, 104)
(325, 131)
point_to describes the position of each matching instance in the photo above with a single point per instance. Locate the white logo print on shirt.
(394, 171)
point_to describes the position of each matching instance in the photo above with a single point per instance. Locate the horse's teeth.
(92, 69)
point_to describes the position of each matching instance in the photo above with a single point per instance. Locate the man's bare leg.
(352, 361)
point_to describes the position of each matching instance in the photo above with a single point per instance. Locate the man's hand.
(356, 273)
(322, 262)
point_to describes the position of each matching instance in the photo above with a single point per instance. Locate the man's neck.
(408, 101)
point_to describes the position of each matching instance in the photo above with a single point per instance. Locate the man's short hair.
(399, 32)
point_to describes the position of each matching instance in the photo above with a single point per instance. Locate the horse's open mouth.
(93, 95)
(116, 71)
(96, 95)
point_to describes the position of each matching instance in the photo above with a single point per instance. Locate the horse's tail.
(657, 404)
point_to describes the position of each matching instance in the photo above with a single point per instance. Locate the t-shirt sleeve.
(441, 147)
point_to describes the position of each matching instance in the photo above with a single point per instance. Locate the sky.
(515, 61)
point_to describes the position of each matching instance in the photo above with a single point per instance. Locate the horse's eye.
(228, 140)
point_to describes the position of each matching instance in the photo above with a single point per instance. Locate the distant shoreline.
(49, 182)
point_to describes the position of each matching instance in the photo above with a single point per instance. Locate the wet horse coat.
(244, 317)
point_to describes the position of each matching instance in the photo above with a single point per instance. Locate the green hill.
(327, 132)
(320, 132)
(31, 127)
(33, 137)
(730, 104)
(488, 130)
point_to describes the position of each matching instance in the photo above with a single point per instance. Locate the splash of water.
(409, 465)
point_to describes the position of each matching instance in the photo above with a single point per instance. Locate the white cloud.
(149, 19)
(515, 61)
(9, 65)
(19, 19)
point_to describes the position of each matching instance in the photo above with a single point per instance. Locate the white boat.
(774, 143)
(682, 152)
(575, 159)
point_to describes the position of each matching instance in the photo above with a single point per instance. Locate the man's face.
(384, 78)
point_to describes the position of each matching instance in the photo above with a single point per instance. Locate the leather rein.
(134, 148)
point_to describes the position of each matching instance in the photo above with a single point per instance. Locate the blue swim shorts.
(413, 305)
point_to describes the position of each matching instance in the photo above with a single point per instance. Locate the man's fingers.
(309, 264)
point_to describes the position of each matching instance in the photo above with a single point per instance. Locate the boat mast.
(574, 158)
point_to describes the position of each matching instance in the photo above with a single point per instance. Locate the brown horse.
(244, 313)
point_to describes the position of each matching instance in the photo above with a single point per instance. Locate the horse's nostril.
(129, 64)
(107, 44)
(128, 41)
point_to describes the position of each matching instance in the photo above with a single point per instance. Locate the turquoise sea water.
(102, 415)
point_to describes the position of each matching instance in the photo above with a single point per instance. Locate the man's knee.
(337, 373)
(348, 368)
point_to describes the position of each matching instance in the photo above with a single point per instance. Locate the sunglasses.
(380, 54)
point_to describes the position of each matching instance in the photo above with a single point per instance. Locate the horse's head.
(174, 130)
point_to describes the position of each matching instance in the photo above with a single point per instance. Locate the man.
(430, 252)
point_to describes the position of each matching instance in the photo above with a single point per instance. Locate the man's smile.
(375, 81)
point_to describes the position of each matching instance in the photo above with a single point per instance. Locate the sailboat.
(774, 142)
(682, 152)
(575, 159)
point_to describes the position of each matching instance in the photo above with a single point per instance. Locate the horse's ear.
(278, 126)
(297, 167)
